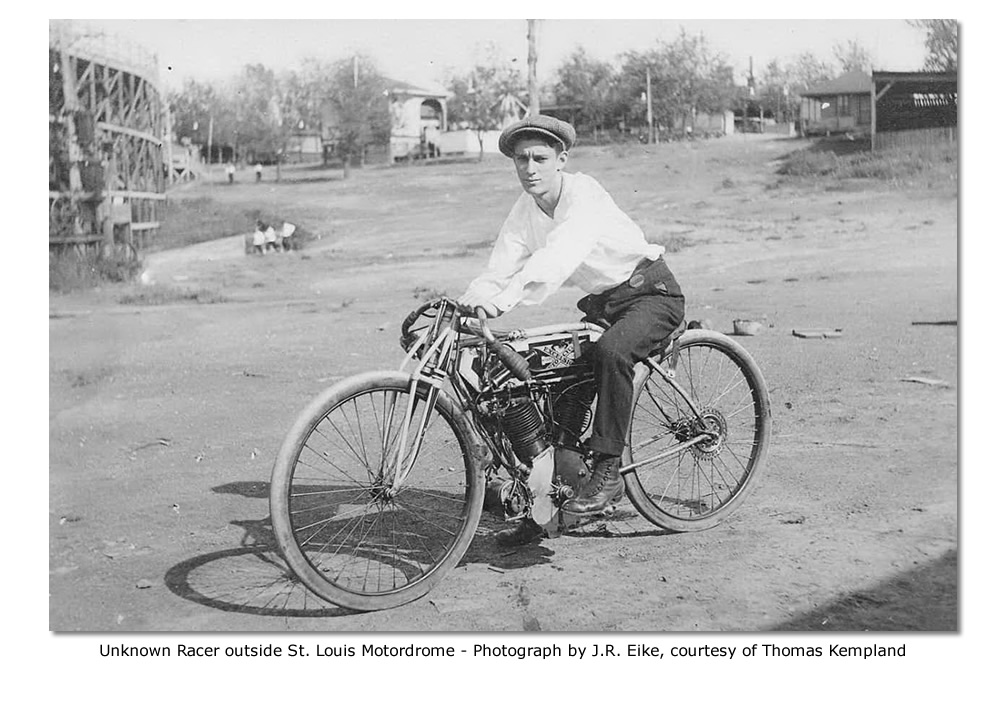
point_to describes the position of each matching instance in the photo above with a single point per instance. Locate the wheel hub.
(715, 426)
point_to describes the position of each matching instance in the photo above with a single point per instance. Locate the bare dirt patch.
(165, 418)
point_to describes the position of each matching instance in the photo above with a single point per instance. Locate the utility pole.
(211, 128)
(649, 105)
(533, 102)
(168, 143)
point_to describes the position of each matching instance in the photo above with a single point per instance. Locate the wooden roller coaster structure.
(107, 175)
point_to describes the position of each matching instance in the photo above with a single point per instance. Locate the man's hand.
(471, 301)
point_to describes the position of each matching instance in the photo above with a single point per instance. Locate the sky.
(424, 51)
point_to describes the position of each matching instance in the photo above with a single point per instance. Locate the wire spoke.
(352, 529)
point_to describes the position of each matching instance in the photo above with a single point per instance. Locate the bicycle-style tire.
(339, 531)
(704, 484)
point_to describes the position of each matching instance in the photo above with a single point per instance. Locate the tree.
(197, 106)
(294, 107)
(590, 84)
(486, 97)
(805, 71)
(941, 42)
(257, 107)
(852, 56)
(686, 78)
(774, 90)
(356, 92)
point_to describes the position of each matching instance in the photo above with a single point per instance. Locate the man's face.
(538, 166)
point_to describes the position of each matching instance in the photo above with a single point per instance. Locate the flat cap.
(538, 124)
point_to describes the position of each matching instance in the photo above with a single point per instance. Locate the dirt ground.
(164, 419)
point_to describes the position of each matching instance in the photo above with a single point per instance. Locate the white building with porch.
(419, 118)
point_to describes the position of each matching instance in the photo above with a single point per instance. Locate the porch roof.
(850, 83)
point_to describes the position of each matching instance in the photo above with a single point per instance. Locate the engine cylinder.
(572, 413)
(523, 425)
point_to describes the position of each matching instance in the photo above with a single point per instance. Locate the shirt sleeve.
(510, 251)
(566, 248)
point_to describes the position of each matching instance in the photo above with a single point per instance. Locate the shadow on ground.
(922, 599)
(254, 579)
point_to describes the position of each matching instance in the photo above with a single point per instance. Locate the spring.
(524, 427)
(571, 412)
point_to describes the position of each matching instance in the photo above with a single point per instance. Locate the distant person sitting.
(270, 239)
(285, 236)
(259, 170)
(258, 238)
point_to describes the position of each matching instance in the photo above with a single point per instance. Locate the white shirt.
(589, 243)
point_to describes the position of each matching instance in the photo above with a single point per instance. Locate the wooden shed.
(913, 109)
(839, 106)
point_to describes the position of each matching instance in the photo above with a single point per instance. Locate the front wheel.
(356, 533)
(729, 413)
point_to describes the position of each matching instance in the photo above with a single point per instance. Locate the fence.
(915, 138)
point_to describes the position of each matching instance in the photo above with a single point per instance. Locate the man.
(566, 229)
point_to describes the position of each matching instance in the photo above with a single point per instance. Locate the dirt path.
(164, 420)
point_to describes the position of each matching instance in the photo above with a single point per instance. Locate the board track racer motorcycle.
(378, 488)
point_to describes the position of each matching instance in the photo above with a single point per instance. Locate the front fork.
(432, 377)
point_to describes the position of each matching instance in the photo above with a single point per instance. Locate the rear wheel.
(697, 487)
(353, 533)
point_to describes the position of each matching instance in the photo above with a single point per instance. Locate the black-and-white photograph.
(506, 326)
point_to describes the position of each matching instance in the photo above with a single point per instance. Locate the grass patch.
(187, 221)
(69, 271)
(935, 164)
(81, 379)
(171, 296)
(194, 220)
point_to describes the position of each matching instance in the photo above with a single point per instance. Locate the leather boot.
(524, 533)
(604, 488)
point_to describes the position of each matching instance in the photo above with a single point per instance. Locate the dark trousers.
(642, 313)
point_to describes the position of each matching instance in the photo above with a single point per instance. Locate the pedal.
(568, 520)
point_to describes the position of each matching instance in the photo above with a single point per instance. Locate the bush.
(72, 270)
(809, 164)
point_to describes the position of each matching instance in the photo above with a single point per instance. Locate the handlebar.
(484, 325)
(514, 361)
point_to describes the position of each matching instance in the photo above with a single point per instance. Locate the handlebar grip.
(410, 319)
(515, 362)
